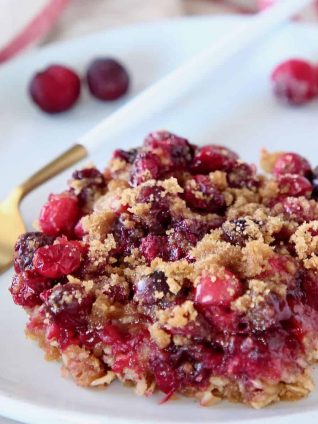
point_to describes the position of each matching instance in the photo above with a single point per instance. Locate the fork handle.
(71, 156)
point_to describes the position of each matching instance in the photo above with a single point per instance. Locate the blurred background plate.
(234, 107)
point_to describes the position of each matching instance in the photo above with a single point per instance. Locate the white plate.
(234, 108)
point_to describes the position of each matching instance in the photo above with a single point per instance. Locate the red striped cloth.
(34, 30)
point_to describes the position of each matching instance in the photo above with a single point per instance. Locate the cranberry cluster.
(57, 88)
(261, 342)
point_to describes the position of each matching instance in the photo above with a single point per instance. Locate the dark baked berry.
(25, 248)
(107, 79)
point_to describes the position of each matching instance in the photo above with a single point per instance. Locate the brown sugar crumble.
(179, 269)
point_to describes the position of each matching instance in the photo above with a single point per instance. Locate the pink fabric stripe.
(35, 29)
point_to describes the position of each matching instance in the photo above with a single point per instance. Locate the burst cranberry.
(166, 377)
(310, 287)
(27, 287)
(291, 163)
(294, 185)
(153, 247)
(234, 232)
(126, 155)
(55, 89)
(60, 214)
(213, 158)
(145, 167)
(107, 79)
(242, 175)
(158, 216)
(218, 290)
(68, 305)
(150, 289)
(202, 195)
(92, 184)
(126, 238)
(175, 151)
(57, 260)
(25, 248)
(295, 81)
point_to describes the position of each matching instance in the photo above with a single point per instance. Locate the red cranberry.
(315, 183)
(218, 290)
(126, 155)
(234, 232)
(297, 209)
(242, 175)
(92, 183)
(149, 286)
(158, 217)
(201, 195)
(25, 248)
(68, 305)
(146, 166)
(291, 163)
(310, 287)
(126, 238)
(55, 89)
(295, 81)
(294, 185)
(60, 214)
(57, 260)
(166, 377)
(107, 79)
(174, 150)
(27, 287)
(213, 158)
(268, 313)
(79, 231)
(153, 247)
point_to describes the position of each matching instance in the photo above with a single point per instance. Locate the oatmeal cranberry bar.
(179, 269)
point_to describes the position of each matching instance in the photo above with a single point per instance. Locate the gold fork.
(11, 223)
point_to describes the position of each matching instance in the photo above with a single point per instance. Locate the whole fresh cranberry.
(107, 79)
(294, 185)
(25, 248)
(57, 260)
(218, 290)
(174, 150)
(213, 158)
(292, 163)
(68, 305)
(295, 81)
(202, 195)
(56, 89)
(146, 166)
(26, 288)
(60, 214)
